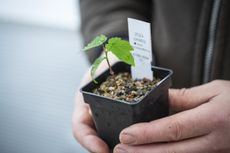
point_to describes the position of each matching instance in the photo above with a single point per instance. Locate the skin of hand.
(201, 126)
(84, 129)
(82, 123)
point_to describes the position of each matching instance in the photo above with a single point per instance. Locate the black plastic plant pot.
(111, 116)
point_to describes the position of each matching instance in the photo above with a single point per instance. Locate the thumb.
(188, 98)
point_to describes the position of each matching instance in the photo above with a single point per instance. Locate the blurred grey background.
(41, 64)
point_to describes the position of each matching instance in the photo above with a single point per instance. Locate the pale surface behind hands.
(40, 69)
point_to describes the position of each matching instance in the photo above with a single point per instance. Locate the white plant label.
(140, 39)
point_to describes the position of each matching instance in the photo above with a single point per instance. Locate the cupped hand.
(202, 126)
(84, 130)
(82, 122)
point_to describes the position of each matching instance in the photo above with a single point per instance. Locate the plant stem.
(107, 60)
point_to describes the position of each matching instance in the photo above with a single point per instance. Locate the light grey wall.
(41, 65)
(40, 71)
(54, 13)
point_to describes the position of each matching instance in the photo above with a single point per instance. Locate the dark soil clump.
(122, 87)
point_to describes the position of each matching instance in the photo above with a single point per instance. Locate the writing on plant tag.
(140, 39)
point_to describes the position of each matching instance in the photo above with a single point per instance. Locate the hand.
(84, 130)
(203, 126)
(82, 122)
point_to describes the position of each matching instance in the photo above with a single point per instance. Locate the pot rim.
(124, 102)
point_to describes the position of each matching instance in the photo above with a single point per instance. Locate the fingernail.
(119, 150)
(127, 138)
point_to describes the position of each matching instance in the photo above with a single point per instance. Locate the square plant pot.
(111, 116)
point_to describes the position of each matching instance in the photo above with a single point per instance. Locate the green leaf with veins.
(95, 65)
(122, 49)
(99, 40)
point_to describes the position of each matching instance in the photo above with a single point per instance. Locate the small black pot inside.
(111, 116)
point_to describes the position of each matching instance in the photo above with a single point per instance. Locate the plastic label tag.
(140, 39)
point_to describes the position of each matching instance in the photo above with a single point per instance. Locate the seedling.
(122, 100)
(120, 48)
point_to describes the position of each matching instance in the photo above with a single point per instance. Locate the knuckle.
(221, 85)
(147, 138)
(175, 131)
(183, 91)
(144, 136)
(218, 83)
(74, 124)
(75, 135)
(215, 81)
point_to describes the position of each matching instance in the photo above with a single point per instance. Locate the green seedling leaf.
(122, 49)
(95, 65)
(99, 40)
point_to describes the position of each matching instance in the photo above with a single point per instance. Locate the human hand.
(82, 123)
(203, 126)
(84, 129)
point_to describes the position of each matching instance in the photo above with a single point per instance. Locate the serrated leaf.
(122, 49)
(95, 65)
(99, 40)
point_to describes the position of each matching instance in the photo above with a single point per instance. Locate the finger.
(84, 132)
(184, 99)
(196, 145)
(184, 125)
